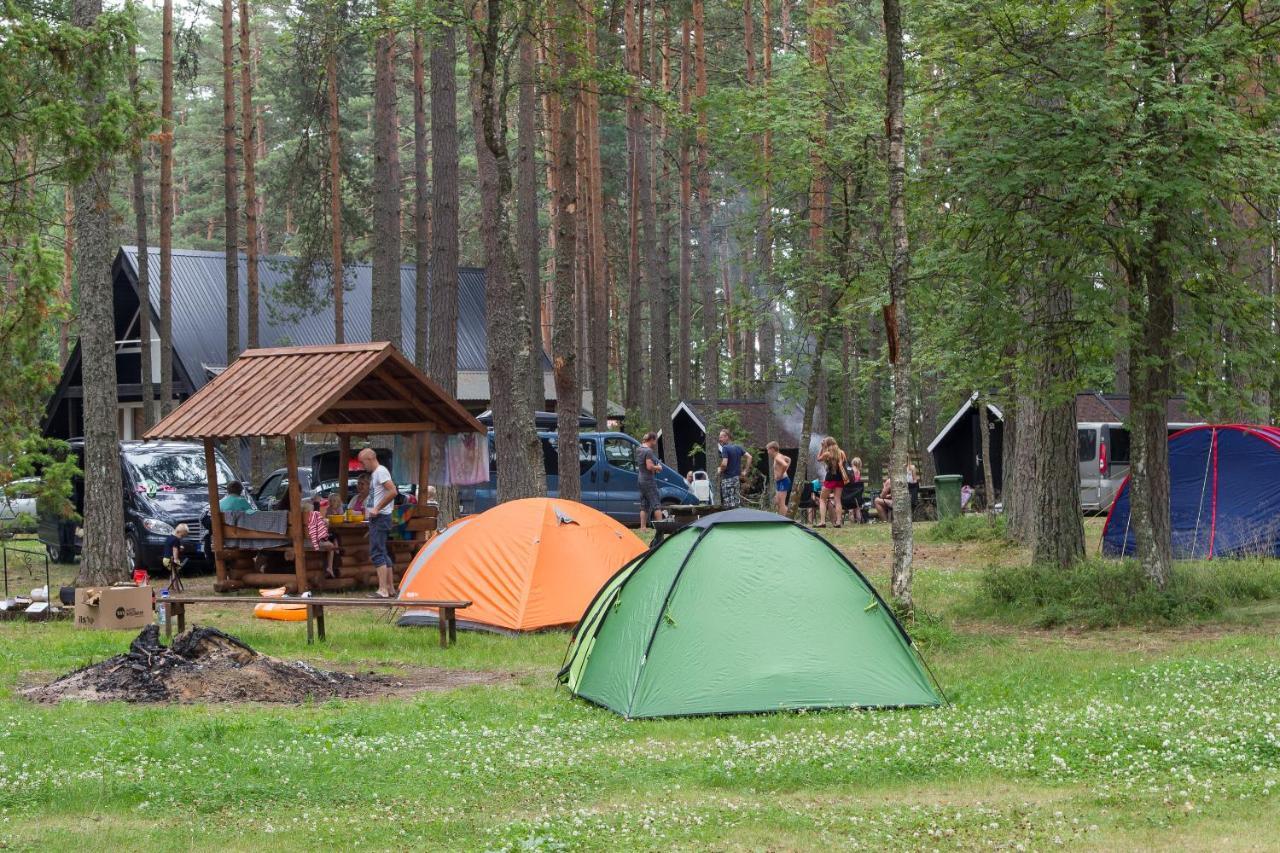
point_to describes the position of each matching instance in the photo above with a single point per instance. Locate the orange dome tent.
(524, 565)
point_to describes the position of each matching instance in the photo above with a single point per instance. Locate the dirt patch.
(206, 665)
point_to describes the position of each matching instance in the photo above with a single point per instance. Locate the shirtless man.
(781, 480)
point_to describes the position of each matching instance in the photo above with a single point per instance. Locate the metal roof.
(199, 308)
(289, 390)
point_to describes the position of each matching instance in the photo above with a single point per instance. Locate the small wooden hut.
(346, 390)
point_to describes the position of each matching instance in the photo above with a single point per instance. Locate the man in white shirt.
(382, 496)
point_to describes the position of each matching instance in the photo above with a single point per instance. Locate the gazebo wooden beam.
(371, 428)
(215, 512)
(352, 405)
(295, 512)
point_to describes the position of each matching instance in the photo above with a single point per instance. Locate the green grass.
(1105, 593)
(1112, 739)
(965, 528)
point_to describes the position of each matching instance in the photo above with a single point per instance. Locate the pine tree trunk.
(634, 392)
(898, 272)
(710, 310)
(442, 365)
(764, 247)
(144, 261)
(655, 394)
(988, 477)
(68, 270)
(661, 308)
(1151, 316)
(684, 360)
(421, 206)
(249, 149)
(230, 204)
(385, 322)
(598, 326)
(104, 553)
(442, 362)
(565, 335)
(335, 193)
(527, 231)
(166, 211)
(510, 332)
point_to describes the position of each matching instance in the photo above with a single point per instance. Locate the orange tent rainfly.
(523, 565)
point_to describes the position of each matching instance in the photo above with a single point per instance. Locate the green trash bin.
(947, 491)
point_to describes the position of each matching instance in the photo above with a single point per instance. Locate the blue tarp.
(1224, 495)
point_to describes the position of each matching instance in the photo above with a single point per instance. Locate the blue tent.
(1224, 495)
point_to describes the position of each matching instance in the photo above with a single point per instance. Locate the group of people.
(735, 462)
(840, 484)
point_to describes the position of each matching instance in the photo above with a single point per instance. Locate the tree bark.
(510, 332)
(68, 271)
(684, 361)
(899, 335)
(103, 558)
(658, 389)
(443, 361)
(385, 322)
(335, 193)
(166, 211)
(249, 131)
(1151, 315)
(565, 335)
(599, 326)
(527, 231)
(144, 261)
(421, 205)
(988, 478)
(634, 396)
(710, 310)
(230, 201)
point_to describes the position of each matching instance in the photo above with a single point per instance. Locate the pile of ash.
(206, 665)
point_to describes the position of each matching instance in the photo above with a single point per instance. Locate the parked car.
(18, 506)
(165, 484)
(276, 485)
(1103, 451)
(609, 475)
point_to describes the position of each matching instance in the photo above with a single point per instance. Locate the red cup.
(140, 577)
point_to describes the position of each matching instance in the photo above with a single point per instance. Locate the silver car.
(18, 506)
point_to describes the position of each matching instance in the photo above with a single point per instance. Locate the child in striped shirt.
(318, 531)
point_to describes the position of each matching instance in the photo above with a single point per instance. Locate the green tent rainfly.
(742, 612)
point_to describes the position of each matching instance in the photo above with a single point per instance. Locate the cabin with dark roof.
(199, 329)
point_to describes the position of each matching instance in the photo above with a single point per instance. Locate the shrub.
(966, 528)
(1106, 593)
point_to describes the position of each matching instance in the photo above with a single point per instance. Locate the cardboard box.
(115, 607)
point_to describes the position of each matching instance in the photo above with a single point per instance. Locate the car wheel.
(133, 552)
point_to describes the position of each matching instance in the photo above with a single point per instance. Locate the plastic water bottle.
(161, 615)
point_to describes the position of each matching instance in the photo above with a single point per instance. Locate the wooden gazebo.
(345, 390)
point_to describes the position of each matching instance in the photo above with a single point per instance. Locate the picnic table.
(178, 604)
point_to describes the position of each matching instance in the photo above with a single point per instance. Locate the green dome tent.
(742, 612)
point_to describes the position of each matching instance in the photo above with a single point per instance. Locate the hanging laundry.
(467, 456)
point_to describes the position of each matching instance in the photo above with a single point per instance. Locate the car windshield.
(177, 469)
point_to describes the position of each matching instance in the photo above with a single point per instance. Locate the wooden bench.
(177, 605)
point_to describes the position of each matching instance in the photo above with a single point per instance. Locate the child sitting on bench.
(318, 531)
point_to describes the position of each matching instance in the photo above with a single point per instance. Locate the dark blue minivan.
(607, 461)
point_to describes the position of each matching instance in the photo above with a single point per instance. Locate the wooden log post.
(215, 512)
(424, 470)
(295, 512)
(344, 462)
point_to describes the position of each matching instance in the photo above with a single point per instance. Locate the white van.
(1103, 451)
